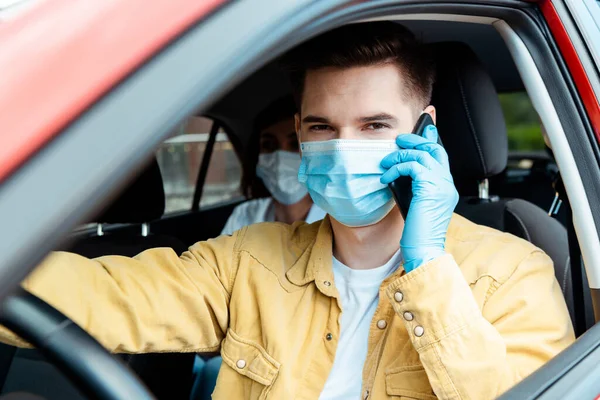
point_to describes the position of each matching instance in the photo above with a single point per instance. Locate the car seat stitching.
(472, 126)
(566, 275)
(527, 235)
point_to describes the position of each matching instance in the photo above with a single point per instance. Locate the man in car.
(362, 305)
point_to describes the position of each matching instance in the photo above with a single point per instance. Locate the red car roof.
(62, 55)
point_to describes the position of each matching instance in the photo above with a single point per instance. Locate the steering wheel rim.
(91, 368)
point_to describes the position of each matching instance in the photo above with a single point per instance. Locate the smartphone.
(402, 187)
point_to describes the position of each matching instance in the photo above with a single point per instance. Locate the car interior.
(506, 188)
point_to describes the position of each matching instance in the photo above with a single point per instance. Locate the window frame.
(238, 151)
(205, 165)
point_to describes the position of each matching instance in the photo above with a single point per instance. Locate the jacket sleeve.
(473, 351)
(153, 302)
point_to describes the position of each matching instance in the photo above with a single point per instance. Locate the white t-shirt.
(261, 210)
(359, 297)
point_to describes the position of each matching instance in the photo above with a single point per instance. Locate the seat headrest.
(469, 116)
(142, 201)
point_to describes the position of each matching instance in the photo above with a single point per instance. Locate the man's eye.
(319, 127)
(375, 126)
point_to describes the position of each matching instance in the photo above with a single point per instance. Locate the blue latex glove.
(434, 195)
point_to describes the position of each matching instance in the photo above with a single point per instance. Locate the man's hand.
(434, 195)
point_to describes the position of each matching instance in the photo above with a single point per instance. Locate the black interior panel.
(192, 227)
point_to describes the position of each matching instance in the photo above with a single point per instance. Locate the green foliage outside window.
(522, 122)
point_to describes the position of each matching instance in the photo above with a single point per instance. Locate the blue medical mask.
(342, 177)
(279, 173)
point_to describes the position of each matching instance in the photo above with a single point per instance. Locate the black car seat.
(140, 203)
(471, 124)
(168, 376)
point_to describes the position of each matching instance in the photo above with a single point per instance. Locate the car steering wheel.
(81, 358)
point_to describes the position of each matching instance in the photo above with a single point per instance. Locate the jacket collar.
(315, 263)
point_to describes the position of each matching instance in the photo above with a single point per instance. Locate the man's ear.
(431, 111)
(297, 127)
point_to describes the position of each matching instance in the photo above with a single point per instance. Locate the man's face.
(355, 103)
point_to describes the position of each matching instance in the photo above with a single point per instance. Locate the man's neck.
(370, 246)
(293, 212)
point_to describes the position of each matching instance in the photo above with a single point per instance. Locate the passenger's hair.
(277, 111)
(365, 44)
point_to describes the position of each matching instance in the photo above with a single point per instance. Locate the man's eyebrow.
(315, 118)
(377, 117)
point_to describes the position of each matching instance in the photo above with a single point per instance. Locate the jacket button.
(329, 336)
(240, 364)
(408, 316)
(419, 331)
(381, 324)
(398, 296)
(327, 283)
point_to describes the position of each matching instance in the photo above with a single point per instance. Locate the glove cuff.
(414, 257)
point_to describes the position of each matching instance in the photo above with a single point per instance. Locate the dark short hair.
(277, 111)
(365, 44)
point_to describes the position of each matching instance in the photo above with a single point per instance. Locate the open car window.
(523, 125)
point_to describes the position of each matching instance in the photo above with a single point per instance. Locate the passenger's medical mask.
(279, 173)
(342, 177)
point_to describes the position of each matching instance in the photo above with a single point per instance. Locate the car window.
(522, 123)
(224, 174)
(180, 158)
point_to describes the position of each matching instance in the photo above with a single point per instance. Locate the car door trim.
(574, 51)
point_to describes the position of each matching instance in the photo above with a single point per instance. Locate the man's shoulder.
(483, 251)
(278, 246)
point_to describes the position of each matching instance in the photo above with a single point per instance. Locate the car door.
(575, 25)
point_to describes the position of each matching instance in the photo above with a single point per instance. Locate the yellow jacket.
(467, 325)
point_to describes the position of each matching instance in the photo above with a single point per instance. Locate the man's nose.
(348, 133)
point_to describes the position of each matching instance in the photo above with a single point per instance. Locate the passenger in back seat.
(270, 175)
(366, 304)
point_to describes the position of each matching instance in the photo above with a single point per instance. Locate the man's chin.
(392, 214)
